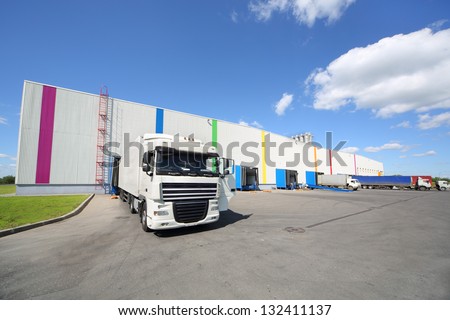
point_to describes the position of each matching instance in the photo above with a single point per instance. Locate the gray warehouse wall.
(58, 141)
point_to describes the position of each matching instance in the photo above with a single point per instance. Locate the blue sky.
(375, 73)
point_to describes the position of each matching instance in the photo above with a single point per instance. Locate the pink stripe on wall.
(44, 157)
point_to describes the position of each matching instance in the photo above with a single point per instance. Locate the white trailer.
(338, 180)
(174, 182)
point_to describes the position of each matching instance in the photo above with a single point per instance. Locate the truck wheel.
(422, 188)
(132, 208)
(443, 188)
(350, 188)
(143, 214)
(121, 196)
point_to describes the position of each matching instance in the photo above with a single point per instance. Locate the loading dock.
(246, 178)
(311, 178)
(286, 178)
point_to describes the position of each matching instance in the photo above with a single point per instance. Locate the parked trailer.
(173, 182)
(339, 180)
(392, 182)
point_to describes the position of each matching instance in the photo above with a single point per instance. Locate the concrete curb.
(7, 232)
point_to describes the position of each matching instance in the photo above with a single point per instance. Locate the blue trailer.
(384, 181)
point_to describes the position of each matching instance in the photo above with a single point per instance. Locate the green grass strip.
(18, 211)
(7, 188)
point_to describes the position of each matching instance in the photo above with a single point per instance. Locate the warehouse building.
(64, 135)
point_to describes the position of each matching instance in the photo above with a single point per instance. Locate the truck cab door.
(227, 183)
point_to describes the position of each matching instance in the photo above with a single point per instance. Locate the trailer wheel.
(121, 195)
(143, 216)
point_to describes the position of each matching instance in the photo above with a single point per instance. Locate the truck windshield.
(177, 162)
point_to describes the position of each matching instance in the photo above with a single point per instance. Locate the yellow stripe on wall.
(263, 153)
(315, 158)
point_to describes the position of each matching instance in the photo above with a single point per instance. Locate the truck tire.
(422, 188)
(131, 202)
(143, 216)
(443, 188)
(121, 195)
(350, 188)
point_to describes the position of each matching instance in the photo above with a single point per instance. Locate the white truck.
(175, 182)
(442, 185)
(338, 180)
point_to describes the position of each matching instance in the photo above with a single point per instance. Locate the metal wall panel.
(343, 163)
(241, 143)
(130, 120)
(29, 133)
(74, 138)
(186, 124)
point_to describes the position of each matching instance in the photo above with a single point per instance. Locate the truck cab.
(353, 184)
(442, 185)
(422, 184)
(175, 182)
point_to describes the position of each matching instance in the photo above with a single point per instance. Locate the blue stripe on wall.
(159, 120)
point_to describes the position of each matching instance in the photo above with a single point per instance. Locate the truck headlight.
(161, 213)
(214, 208)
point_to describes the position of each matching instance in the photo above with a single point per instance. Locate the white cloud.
(283, 104)
(425, 154)
(2, 155)
(3, 120)
(404, 124)
(403, 157)
(304, 11)
(12, 165)
(350, 149)
(255, 124)
(386, 146)
(429, 122)
(395, 75)
(234, 17)
(437, 25)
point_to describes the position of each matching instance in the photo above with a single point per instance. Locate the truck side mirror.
(226, 166)
(146, 167)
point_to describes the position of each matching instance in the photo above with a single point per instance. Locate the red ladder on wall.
(101, 175)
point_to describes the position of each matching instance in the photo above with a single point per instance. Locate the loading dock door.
(281, 178)
(311, 178)
(286, 178)
(238, 175)
(291, 178)
(249, 178)
(246, 178)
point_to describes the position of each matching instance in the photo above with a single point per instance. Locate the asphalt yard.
(368, 244)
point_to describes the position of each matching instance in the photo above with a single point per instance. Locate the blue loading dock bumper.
(312, 186)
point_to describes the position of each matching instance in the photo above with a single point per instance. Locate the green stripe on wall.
(214, 133)
(214, 141)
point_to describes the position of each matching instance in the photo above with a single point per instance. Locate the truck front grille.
(190, 211)
(173, 191)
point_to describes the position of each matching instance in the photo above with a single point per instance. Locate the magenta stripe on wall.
(44, 157)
